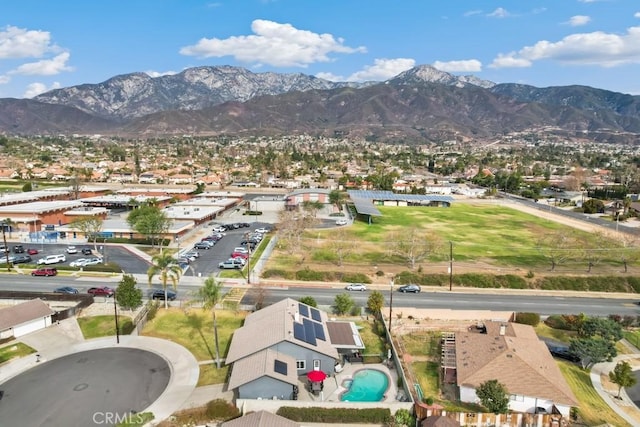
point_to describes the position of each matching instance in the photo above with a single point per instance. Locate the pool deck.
(333, 385)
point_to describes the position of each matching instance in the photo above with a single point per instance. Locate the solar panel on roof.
(298, 331)
(280, 367)
(309, 332)
(319, 331)
(315, 315)
(303, 309)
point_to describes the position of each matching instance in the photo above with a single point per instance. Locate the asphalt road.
(90, 388)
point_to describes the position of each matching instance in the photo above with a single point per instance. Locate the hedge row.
(308, 275)
(337, 415)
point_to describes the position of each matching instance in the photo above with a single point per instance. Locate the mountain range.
(419, 105)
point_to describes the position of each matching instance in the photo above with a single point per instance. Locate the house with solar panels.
(365, 201)
(283, 342)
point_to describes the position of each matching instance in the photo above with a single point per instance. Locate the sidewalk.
(623, 406)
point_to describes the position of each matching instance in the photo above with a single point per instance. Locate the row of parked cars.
(105, 291)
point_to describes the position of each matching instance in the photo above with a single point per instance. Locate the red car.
(32, 251)
(239, 255)
(44, 272)
(102, 291)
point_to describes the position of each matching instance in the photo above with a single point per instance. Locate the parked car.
(241, 250)
(341, 222)
(262, 230)
(52, 259)
(219, 229)
(356, 287)
(86, 251)
(72, 250)
(4, 249)
(203, 245)
(65, 290)
(101, 291)
(80, 262)
(239, 255)
(93, 261)
(22, 259)
(239, 261)
(229, 264)
(44, 272)
(159, 294)
(32, 251)
(194, 254)
(410, 288)
(18, 249)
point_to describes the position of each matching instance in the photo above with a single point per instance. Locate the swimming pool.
(367, 385)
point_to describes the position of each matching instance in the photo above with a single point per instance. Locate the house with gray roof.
(512, 354)
(281, 342)
(24, 318)
(260, 419)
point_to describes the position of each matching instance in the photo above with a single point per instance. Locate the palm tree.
(9, 223)
(165, 266)
(210, 294)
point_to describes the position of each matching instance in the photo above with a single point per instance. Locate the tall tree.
(150, 221)
(622, 376)
(210, 294)
(128, 296)
(91, 226)
(375, 303)
(592, 350)
(343, 303)
(165, 266)
(415, 246)
(342, 245)
(337, 198)
(494, 396)
(8, 224)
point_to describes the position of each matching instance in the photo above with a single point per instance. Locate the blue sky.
(49, 44)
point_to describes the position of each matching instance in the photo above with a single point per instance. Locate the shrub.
(428, 400)
(337, 415)
(153, 309)
(309, 301)
(252, 213)
(355, 278)
(275, 272)
(531, 319)
(310, 275)
(379, 273)
(220, 409)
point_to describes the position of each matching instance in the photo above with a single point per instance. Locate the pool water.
(367, 385)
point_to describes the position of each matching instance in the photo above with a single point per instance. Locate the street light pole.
(390, 303)
(115, 310)
(6, 248)
(450, 265)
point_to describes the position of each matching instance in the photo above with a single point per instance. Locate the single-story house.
(260, 419)
(24, 318)
(512, 354)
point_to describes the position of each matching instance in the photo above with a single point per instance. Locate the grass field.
(13, 350)
(500, 236)
(104, 326)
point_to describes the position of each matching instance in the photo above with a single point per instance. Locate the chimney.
(503, 330)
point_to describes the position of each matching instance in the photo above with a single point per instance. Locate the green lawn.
(493, 234)
(13, 350)
(104, 326)
(374, 343)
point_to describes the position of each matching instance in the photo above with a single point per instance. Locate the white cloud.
(45, 67)
(465, 66)
(596, 48)
(4, 79)
(472, 12)
(636, 15)
(499, 13)
(21, 43)
(35, 89)
(382, 69)
(280, 45)
(331, 77)
(509, 61)
(578, 20)
(152, 73)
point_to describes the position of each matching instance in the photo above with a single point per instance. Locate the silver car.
(356, 287)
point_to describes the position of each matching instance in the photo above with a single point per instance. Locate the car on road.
(229, 264)
(44, 272)
(203, 245)
(22, 259)
(32, 251)
(18, 249)
(52, 259)
(65, 290)
(410, 288)
(100, 291)
(341, 222)
(159, 294)
(72, 250)
(356, 287)
(86, 251)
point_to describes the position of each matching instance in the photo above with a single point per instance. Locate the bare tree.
(415, 246)
(291, 228)
(558, 247)
(625, 248)
(596, 247)
(342, 245)
(91, 226)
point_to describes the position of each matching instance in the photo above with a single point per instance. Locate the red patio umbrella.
(316, 376)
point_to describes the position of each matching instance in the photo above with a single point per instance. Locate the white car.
(93, 261)
(356, 287)
(52, 259)
(261, 230)
(241, 250)
(72, 250)
(341, 222)
(80, 262)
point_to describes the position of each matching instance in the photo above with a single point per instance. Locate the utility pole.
(115, 310)
(450, 265)
(6, 248)
(390, 303)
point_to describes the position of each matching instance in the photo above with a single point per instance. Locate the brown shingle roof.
(270, 326)
(260, 364)
(261, 419)
(27, 311)
(517, 359)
